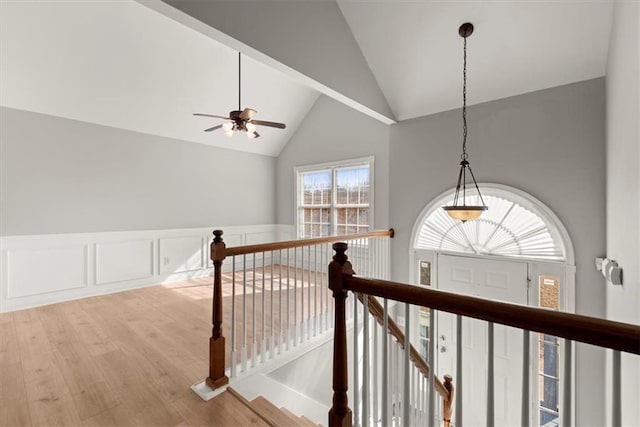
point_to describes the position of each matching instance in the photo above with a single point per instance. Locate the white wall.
(65, 176)
(333, 132)
(549, 144)
(623, 185)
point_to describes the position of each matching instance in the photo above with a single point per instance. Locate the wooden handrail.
(274, 246)
(604, 333)
(218, 253)
(377, 312)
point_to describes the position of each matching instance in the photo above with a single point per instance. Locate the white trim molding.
(45, 269)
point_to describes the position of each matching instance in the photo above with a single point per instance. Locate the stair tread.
(272, 413)
(301, 420)
(310, 422)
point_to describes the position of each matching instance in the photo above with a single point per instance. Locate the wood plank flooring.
(122, 359)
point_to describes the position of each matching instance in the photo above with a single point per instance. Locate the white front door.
(496, 280)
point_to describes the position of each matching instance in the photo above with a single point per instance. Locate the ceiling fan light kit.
(460, 210)
(240, 120)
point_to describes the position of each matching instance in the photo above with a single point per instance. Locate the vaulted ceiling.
(148, 65)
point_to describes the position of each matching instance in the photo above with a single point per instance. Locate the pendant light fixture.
(460, 210)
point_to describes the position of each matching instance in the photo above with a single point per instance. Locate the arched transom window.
(513, 226)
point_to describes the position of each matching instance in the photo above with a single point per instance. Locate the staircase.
(270, 414)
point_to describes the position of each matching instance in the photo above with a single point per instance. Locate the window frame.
(333, 167)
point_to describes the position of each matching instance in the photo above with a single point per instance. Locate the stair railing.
(377, 377)
(278, 296)
(617, 336)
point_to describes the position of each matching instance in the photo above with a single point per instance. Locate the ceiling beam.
(309, 41)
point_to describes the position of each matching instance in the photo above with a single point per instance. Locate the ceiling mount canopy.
(240, 120)
(460, 210)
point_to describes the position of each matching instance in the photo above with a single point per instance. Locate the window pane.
(363, 216)
(326, 212)
(425, 273)
(314, 185)
(341, 230)
(364, 194)
(308, 196)
(352, 185)
(352, 216)
(341, 195)
(342, 216)
(315, 216)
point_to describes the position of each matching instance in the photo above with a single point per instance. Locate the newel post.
(217, 378)
(339, 414)
(447, 406)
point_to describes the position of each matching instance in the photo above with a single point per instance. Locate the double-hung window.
(335, 199)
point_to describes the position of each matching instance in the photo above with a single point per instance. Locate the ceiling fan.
(240, 120)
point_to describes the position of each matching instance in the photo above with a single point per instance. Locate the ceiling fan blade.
(270, 124)
(213, 128)
(210, 115)
(247, 113)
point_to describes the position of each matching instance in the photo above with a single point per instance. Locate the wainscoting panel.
(39, 271)
(44, 269)
(180, 254)
(122, 261)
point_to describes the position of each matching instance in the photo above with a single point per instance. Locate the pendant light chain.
(240, 79)
(462, 211)
(464, 154)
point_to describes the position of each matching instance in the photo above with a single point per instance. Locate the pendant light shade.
(460, 210)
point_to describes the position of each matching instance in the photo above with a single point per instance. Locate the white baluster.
(491, 419)
(243, 355)
(526, 360)
(295, 297)
(616, 395)
(281, 335)
(566, 410)
(254, 342)
(406, 394)
(233, 361)
(459, 382)
(302, 318)
(263, 335)
(431, 416)
(366, 393)
(316, 285)
(322, 290)
(385, 365)
(356, 364)
(272, 343)
(288, 300)
(309, 293)
(375, 370)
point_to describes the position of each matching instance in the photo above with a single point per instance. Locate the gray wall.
(334, 132)
(61, 176)
(550, 144)
(623, 185)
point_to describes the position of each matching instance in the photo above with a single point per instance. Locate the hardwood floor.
(127, 358)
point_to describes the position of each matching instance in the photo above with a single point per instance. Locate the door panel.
(491, 279)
